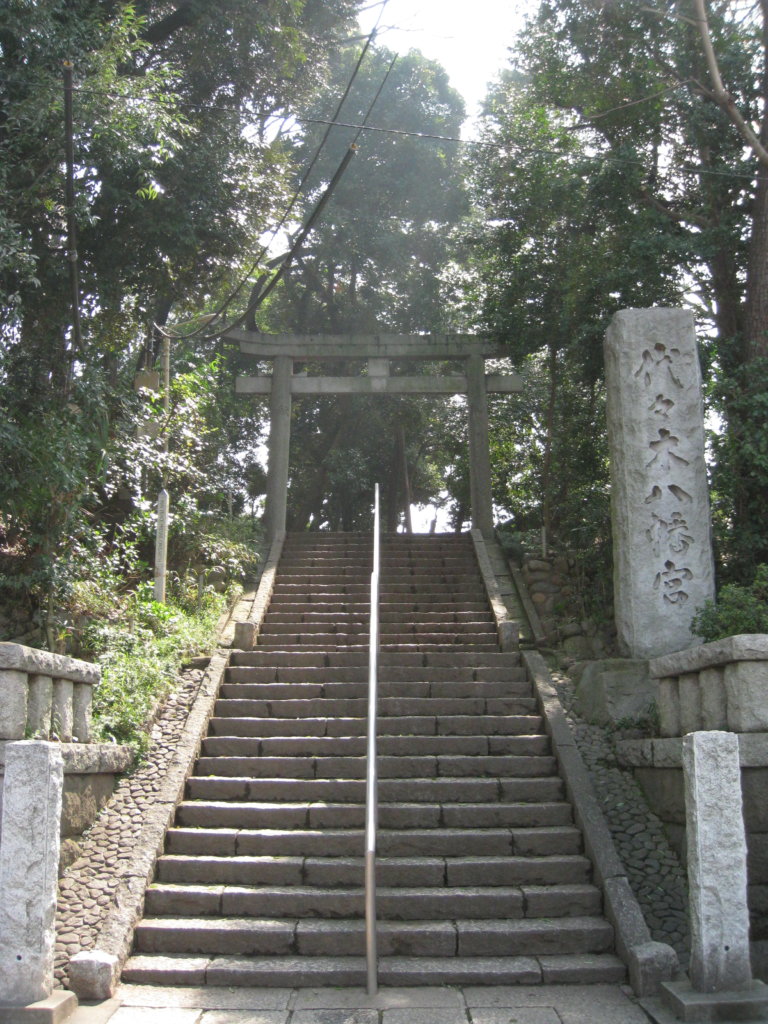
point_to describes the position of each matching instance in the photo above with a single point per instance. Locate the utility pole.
(74, 274)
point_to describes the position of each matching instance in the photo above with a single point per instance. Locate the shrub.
(140, 655)
(739, 609)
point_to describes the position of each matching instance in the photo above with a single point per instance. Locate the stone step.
(330, 872)
(398, 596)
(346, 625)
(389, 641)
(255, 936)
(355, 746)
(304, 690)
(456, 789)
(453, 725)
(405, 606)
(503, 843)
(286, 642)
(306, 814)
(356, 707)
(388, 674)
(392, 566)
(406, 903)
(409, 766)
(308, 972)
(359, 657)
(390, 616)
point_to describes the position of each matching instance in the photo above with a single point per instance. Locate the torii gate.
(378, 350)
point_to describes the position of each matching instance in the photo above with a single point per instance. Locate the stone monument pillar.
(663, 566)
(29, 860)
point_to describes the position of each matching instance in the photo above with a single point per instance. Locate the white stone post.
(161, 545)
(29, 859)
(717, 862)
(721, 986)
(663, 565)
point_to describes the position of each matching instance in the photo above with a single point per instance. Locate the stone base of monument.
(679, 1002)
(58, 1007)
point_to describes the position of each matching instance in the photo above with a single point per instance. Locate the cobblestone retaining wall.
(552, 584)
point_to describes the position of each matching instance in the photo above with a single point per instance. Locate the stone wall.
(552, 582)
(721, 685)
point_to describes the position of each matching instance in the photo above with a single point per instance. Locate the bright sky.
(470, 38)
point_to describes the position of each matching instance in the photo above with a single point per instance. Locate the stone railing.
(721, 685)
(44, 695)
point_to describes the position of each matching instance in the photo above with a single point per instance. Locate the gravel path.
(88, 886)
(653, 867)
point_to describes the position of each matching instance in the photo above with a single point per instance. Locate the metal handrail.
(371, 777)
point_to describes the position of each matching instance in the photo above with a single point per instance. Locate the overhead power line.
(257, 299)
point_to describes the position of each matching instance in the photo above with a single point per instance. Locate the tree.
(633, 82)
(373, 263)
(554, 250)
(177, 174)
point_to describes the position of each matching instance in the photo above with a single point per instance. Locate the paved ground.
(555, 1004)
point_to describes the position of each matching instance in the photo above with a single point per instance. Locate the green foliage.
(140, 650)
(666, 209)
(741, 454)
(373, 263)
(739, 609)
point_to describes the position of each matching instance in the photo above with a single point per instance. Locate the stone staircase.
(481, 875)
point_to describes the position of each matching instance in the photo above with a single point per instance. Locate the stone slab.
(663, 565)
(57, 1008)
(742, 647)
(717, 863)
(36, 662)
(575, 1004)
(687, 1004)
(524, 1015)
(385, 998)
(210, 997)
(613, 690)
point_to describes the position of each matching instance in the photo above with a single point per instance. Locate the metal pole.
(371, 782)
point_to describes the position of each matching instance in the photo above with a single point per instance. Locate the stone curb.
(507, 629)
(94, 973)
(88, 758)
(649, 963)
(667, 752)
(247, 632)
(17, 658)
(742, 647)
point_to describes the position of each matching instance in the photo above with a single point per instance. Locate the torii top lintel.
(378, 350)
(366, 346)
